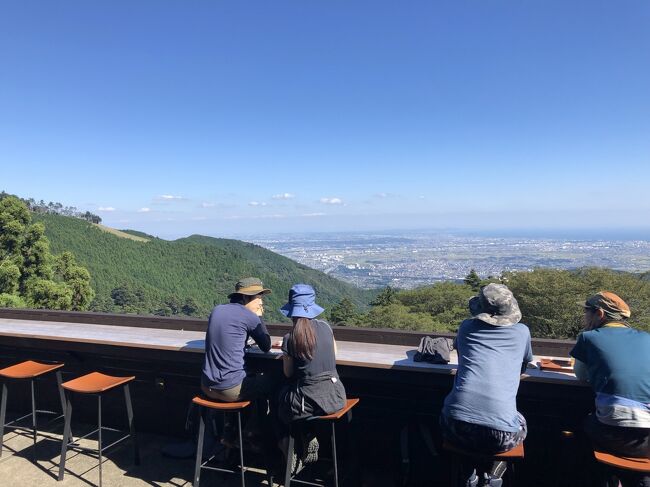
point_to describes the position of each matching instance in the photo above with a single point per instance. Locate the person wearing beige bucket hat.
(615, 359)
(480, 413)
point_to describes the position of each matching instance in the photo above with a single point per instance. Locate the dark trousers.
(626, 442)
(482, 440)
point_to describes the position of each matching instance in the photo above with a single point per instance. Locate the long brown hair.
(303, 338)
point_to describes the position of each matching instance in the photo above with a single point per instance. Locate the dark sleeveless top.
(323, 359)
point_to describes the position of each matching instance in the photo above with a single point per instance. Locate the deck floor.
(17, 463)
(18, 468)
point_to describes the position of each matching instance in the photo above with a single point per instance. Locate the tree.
(43, 293)
(77, 278)
(9, 277)
(473, 280)
(344, 312)
(27, 274)
(385, 297)
(190, 307)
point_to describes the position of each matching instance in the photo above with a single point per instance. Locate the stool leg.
(199, 449)
(287, 472)
(66, 436)
(336, 468)
(129, 413)
(59, 381)
(99, 435)
(3, 414)
(31, 384)
(241, 449)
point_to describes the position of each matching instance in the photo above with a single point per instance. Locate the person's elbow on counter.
(580, 370)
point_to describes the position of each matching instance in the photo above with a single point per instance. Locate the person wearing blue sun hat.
(309, 363)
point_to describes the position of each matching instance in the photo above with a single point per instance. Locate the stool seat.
(332, 419)
(222, 406)
(28, 370)
(625, 463)
(95, 383)
(349, 404)
(516, 452)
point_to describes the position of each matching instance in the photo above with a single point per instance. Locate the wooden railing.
(541, 346)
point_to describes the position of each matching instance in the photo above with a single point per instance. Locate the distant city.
(408, 260)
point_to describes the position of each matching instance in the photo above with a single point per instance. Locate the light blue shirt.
(490, 360)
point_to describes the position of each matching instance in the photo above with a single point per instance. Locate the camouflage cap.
(495, 305)
(250, 286)
(613, 306)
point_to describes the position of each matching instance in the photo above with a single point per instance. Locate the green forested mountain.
(185, 276)
(50, 260)
(548, 299)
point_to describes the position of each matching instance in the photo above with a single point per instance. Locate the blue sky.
(231, 117)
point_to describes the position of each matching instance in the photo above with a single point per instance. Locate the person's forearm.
(580, 370)
(262, 337)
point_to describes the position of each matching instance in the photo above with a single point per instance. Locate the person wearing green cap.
(229, 327)
(615, 359)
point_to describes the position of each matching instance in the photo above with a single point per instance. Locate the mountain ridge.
(160, 276)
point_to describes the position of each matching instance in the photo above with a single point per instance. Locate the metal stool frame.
(32, 414)
(100, 449)
(288, 476)
(200, 464)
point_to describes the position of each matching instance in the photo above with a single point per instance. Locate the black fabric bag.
(434, 350)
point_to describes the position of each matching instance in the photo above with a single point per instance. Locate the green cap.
(250, 286)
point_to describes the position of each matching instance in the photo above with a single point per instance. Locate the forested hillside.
(548, 299)
(185, 276)
(50, 260)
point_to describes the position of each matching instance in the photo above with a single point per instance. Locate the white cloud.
(310, 215)
(283, 196)
(144, 210)
(257, 203)
(331, 201)
(170, 197)
(207, 204)
(105, 208)
(385, 195)
(256, 217)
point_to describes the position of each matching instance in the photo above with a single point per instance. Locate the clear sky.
(240, 117)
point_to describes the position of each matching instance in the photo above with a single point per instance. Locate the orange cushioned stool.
(30, 371)
(332, 419)
(97, 384)
(517, 453)
(226, 407)
(639, 465)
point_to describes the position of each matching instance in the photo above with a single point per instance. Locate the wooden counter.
(353, 354)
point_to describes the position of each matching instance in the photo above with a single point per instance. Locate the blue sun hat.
(302, 303)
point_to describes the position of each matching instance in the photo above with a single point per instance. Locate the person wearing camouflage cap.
(615, 359)
(480, 413)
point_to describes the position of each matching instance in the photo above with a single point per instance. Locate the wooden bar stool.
(332, 419)
(510, 456)
(97, 384)
(227, 407)
(28, 370)
(639, 465)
